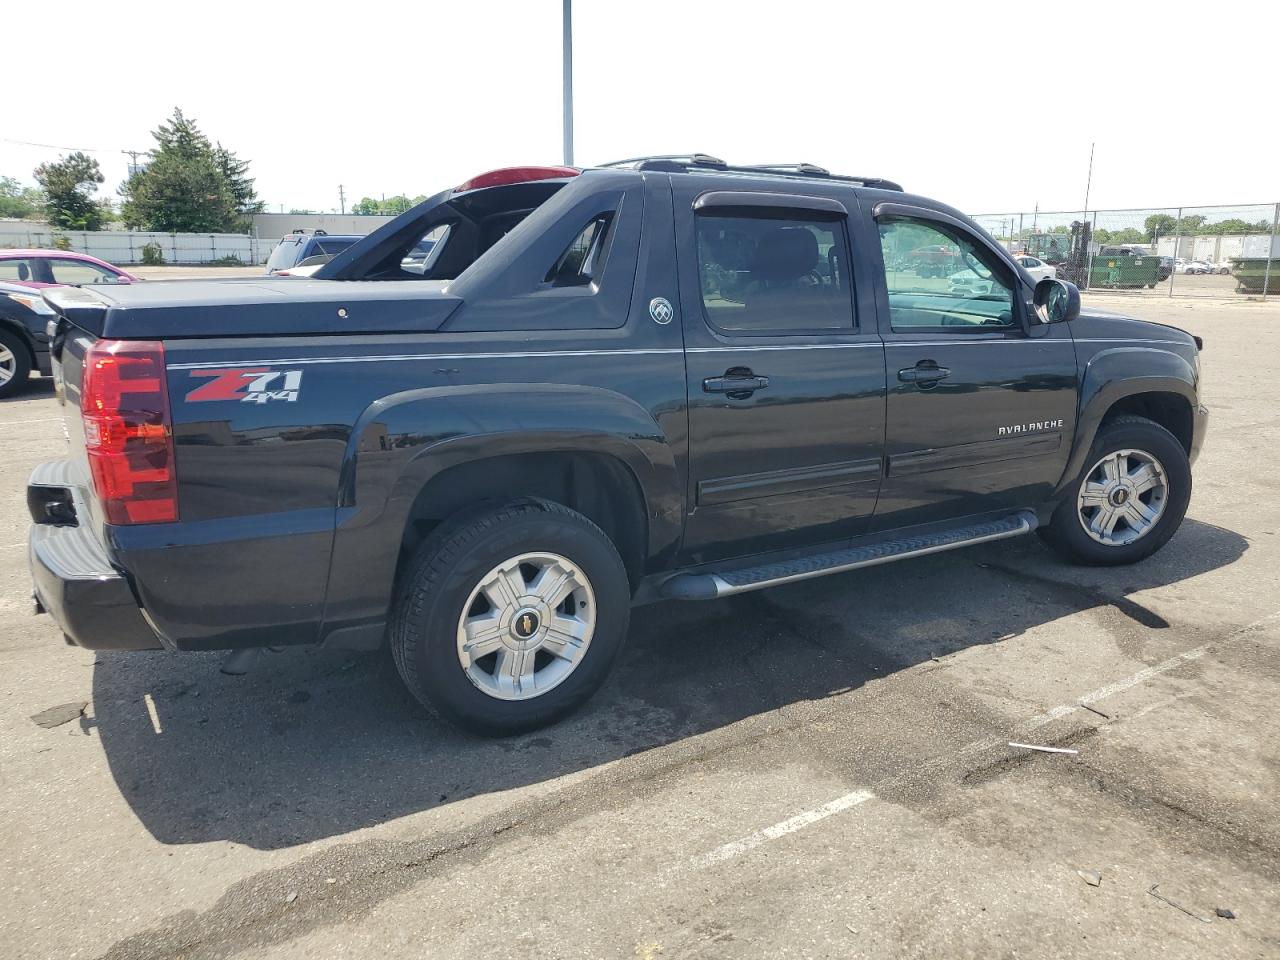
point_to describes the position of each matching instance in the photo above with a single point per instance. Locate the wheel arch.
(417, 458)
(1157, 384)
(10, 325)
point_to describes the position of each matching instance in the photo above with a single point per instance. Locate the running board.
(707, 586)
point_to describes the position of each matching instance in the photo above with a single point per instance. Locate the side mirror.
(1056, 301)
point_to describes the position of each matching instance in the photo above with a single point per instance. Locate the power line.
(54, 146)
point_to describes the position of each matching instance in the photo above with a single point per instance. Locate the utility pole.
(133, 159)
(342, 198)
(1088, 183)
(568, 83)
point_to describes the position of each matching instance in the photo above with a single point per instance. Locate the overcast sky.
(987, 106)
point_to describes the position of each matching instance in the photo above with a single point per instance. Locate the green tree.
(189, 185)
(394, 206)
(1159, 225)
(1191, 224)
(367, 207)
(1236, 225)
(69, 186)
(19, 201)
(1128, 235)
(236, 172)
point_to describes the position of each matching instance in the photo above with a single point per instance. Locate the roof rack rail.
(683, 162)
(810, 168)
(690, 159)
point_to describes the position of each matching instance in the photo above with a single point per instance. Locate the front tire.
(511, 619)
(1129, 499)
(15, 363)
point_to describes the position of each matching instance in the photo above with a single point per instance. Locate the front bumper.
(73, 579)
(1199, 427)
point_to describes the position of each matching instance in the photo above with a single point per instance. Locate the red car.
(933, 261)
(51, 268)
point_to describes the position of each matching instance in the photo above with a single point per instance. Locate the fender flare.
(400, 443)
(1110, 376)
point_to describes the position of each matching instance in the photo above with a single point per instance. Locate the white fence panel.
(125, 246)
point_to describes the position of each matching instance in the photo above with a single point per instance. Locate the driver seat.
(780, 267)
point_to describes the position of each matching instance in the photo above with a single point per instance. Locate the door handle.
(925, 372)
(736, 385)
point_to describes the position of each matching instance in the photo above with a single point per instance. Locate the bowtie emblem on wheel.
(660, 310)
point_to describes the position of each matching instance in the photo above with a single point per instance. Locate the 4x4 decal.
(247, 384)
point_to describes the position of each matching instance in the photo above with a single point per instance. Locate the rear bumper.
(74, 580)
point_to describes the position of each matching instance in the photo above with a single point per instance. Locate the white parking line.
(801, 820)
(151, 711)
(737, 848)
(41, 420)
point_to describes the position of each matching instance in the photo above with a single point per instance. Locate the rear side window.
(764, 275)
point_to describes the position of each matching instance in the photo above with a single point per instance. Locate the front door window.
(937, 278)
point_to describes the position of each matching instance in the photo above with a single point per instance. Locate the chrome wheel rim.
(8, 365)
(1123, 497)
(526, 626)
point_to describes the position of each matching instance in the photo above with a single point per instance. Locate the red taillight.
(500, 178)
(127, 431)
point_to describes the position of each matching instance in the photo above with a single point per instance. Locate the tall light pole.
(568, 83)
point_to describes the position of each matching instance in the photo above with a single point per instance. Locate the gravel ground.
(818, 770)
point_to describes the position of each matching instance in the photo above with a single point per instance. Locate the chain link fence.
(1231, 251)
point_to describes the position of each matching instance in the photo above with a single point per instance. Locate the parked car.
(1222, 267)
(1192, 266)
(47, 268)
(1037, 268)
(297, 247)
(418, 260)
(934, 260)
(24, 340)
(675, 379)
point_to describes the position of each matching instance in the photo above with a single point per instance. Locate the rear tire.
(512, 619)
(15, 363)
(1128, 500)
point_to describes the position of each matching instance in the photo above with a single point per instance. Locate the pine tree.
(189, 185)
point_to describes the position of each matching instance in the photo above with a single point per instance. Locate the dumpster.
(1250, 273)
(1124, 272)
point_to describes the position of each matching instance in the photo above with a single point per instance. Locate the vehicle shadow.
(33, 389)
(316, 743)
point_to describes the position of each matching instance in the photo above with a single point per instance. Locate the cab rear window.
(285, 254)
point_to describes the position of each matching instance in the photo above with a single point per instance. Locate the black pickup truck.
(666, 378)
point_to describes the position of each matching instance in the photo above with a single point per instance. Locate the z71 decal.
(247, 384)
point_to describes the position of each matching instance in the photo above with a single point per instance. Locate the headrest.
(784, 253)
(24, 272)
